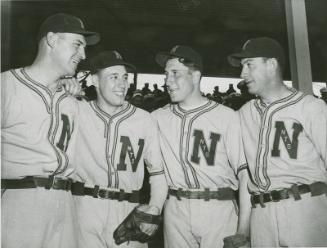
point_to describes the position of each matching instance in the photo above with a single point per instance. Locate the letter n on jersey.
(127, 148)
(65, 133)
(200, 142)
(291, 145)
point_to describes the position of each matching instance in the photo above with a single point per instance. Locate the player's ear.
(51, 39)
(95, 80)
(273, 64)
(196, 75)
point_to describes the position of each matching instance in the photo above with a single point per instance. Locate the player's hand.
(145, 227)
(237, 241)
(72, 86)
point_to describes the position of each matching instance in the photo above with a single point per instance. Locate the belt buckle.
(105, 194)
(50, 182)
(56, 183)
(64, 184)
(179, 193)
(121, 195)
(206, 194)
(77, 188)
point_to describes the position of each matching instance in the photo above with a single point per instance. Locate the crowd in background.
(151, 100)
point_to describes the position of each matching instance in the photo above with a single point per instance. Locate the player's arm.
(245, 204)
(158, 182)
(316, 124)
(235, 153)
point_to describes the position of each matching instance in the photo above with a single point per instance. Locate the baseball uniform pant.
(97, 220)
(290, 223)
(198, 223)
(37, 218)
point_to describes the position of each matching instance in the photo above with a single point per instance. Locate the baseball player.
(114, 142)
(37, 123)
(285, 139)
(202, 149)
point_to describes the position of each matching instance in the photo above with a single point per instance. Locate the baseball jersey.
(37, 126)
(111, 149)
(201, 147)
(285, 142)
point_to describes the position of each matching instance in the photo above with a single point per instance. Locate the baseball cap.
(259, 47)
(65, 23)
(106, 59)
(323, 90)
(183, 52)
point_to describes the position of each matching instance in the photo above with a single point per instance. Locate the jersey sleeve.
(7, 91)
(152, 156)
(234, 145)
(316, 125)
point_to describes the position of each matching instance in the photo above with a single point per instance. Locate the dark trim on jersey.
(178, 111)
(263, 116)
(242, 167)
(257, 178)
(188, 137)
(30, 83)
(288, 102)
(127, 111)
(265, 156)
(156, 173)
(106, 124)
(186, 177)
(93, 106)
(57, 171)
(33, 88)
(179, 108)
(130, 110)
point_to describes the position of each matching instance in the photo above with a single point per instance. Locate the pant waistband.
(317, 188)
(79, 189)
(50, 182)
(207, 194)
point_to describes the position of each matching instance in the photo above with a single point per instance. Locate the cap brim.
(91, 38)
(162, 57)
(131, 67)
(235, 58)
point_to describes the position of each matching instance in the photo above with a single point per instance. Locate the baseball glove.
(129, 229)
(237, 240)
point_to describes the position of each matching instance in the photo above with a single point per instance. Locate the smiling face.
(179, 81)
(111, 86)
(255, 72)
(68, 52)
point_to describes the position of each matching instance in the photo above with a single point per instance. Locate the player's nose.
(82, 53)
(244, 72)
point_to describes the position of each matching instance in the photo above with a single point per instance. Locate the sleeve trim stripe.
(242, 167)
(156, 173)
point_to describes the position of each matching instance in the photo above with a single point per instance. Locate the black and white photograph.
(163, 123)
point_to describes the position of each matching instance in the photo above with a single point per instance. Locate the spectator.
(323, 92)
(145, 89)
(230, 89)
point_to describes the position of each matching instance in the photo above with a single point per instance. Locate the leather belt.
(50, 182)
(79, 189)
(220, 194)
(295, 191)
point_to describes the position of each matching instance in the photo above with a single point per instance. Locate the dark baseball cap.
(65, 23)
(259, 47)
(184, 52)
(108, 58)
